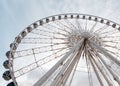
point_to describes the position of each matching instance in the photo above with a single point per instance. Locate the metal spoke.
(37, 50)
(47, 33)
(80, 29)
(108, 33)
(38, 63)
(93, 27)
(71, 26)
(59, 28)
(95, 70)
(102, 72)
(45, 77)
(101, 28)
(106, 53)
(63, 26)
(110, 70)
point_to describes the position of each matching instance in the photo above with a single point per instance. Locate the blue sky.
(15, 15)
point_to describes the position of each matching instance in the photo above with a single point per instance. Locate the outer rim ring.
(54, 18)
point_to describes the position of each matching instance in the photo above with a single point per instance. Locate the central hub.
(86, 35)
(74, 38)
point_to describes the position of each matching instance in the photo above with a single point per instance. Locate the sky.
(15, 15)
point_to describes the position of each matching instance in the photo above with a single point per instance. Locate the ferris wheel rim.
(47, 20)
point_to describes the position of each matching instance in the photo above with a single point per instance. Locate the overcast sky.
(15, 15)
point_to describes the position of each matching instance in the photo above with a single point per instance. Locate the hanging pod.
(6, 75)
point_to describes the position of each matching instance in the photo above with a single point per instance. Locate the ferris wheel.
(65, 50)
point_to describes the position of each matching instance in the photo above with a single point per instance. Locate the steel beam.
(104, 52)
(52, 70)
(110, 70)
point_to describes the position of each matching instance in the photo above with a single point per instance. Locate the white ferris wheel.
(65, 50)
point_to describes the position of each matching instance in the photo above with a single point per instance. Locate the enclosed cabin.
(6, 64)
(11, 84)
(6, 75)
